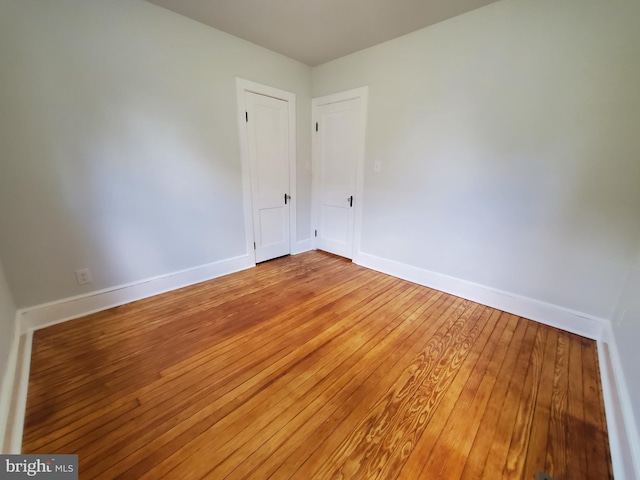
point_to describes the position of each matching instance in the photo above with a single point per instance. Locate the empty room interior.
(334, 239)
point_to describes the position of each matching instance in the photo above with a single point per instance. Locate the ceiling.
(315, 32)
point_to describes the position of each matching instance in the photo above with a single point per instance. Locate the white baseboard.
(624, 437)
(302, 246)
(7, 387)
(546, 313)
(623, 433)
(41, 316)
(21, 387)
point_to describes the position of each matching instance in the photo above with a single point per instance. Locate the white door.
(267, 120)
(338, 155)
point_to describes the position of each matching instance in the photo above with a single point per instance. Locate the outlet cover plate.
(83, 276)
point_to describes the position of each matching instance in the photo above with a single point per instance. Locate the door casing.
(362, 94)
(243, 86)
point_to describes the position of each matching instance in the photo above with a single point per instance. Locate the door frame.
(243, 86)
(363, 94)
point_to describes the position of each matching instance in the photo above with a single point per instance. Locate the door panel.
(335, 224)
(268, 145)
(337, 147)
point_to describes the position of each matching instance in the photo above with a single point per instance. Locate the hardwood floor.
(313, 367)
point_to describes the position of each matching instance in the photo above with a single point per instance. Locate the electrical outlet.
(83, 276)
(377, 166)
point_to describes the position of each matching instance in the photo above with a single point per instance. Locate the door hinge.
(254, 245)
(316, 233)
(246, 116)
(316, 126)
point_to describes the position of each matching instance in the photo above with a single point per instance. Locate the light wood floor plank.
(574, 422)
(404, 415)
(557, 445)
(445, 444)
(206, 413)
(155, 392)
(99, 395)
(486, 427)
(498, 453)
(520, 437)
(337, 426)
(537, 448)
(243, 447)
(308, 378)
(310, 366)
(382, 358)
(388, 456)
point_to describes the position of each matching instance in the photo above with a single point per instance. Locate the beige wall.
(120, 145)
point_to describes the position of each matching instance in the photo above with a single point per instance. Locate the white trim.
(302, 246)
(245, 167)
(42, 316)
(7, 385)
(542, 312)
(22, 387)
(243, 86)
(624, 438)
(360, 92)
(363, 94)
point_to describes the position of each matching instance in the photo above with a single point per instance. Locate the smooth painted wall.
(7, 325)
(626, 329)
(509, 145)
(120, 148)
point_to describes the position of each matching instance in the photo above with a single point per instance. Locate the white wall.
(626, 329)
(508, 138)
(119, 143)
(509, 144)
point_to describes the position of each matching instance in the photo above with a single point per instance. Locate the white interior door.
(338, 155)
(267, 122)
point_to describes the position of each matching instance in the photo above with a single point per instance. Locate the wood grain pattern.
(446, 445)
(537, 448)
(486, 427)
(558, 446)
(313, 367)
